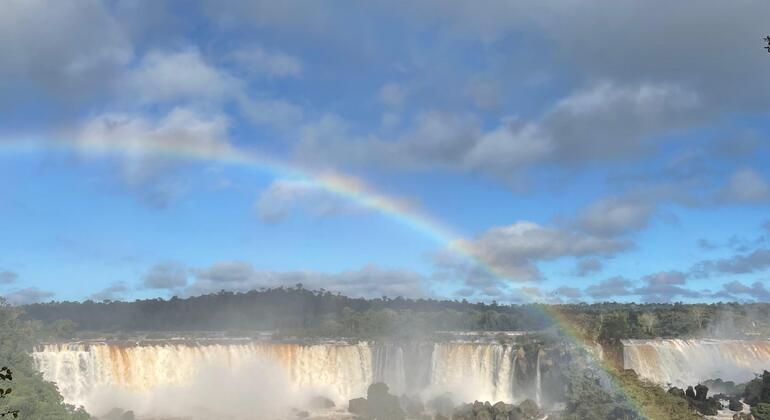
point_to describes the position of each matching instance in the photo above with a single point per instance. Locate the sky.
(501, 150)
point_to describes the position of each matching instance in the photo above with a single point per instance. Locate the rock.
(743, 416)
(499, 408)
(303, 414)
(708, 407)
(382, 405)
(379, 389)
(478, 406)
(690, 393)
(319, 402)
(529, 409)
(677, 392)
(516, 414)
(501, 416)
(484, 415)
(735, 404)
(701, 392)
(359, 406)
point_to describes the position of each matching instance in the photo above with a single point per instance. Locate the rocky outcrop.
(698, 399)
(527, 410)
(735, 404)
(379, 404)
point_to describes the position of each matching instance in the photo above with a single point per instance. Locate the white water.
(688, 362)
(150, 378)
(538, 381)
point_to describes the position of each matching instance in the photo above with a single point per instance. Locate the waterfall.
(96, 375)
(513, 375)
(473, 371)
(538, 384)
(389, 367)
(688, 362)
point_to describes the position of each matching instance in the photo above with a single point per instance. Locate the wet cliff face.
(470, 371)
(687, 362)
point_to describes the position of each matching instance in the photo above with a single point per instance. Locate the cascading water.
(87, 374)
(474, 371)
(688, 362)
(538, 382)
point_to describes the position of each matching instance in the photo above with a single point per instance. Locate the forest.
(303, 312)
(31, 396)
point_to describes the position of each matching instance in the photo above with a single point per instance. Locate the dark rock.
(735, 405)
(382, 405)
(690, 393)
(359, 406)
(377, 390)
(478, 406)
(708, 407)
(701, 392)
(516, 414)
(529, 409)
(484, 415)
(500, 408)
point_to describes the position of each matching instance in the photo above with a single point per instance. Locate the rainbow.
(342, 185)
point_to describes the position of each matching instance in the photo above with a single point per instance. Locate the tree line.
(301, 311)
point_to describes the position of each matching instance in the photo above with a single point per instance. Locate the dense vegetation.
(301, 311)
(587, 398)
(32, 396)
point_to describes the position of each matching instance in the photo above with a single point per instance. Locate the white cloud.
(71, 49)
(614, 216)
(282, 196)
(370, 281)
(602, 122)
(114, 291)
(177, 75)
(167, 275)
(746, 186)
(28, 295)
(513, 251)
(148, 147)
(260, 62)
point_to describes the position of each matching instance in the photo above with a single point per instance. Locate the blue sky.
(601, 152)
